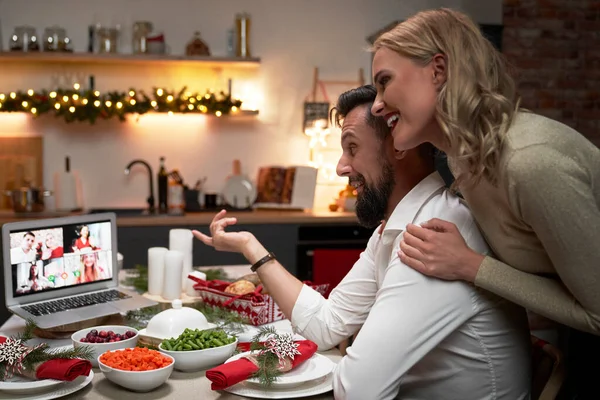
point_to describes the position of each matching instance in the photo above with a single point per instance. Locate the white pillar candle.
(172, 278)
(156, 270)
(189, 284)
(183, 240)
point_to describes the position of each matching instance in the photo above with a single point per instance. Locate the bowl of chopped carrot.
(139, 369)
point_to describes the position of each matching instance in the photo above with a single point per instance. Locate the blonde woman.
(532, 183)
(91, 271)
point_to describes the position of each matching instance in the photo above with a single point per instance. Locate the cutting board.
(21, 164)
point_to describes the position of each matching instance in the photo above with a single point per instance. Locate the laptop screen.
(55, 258)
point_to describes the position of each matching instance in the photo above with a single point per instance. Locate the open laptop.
(64, 270)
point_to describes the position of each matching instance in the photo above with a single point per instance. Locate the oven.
(325, 253)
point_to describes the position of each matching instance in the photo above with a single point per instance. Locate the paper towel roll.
(172, 278)
(65, 191)
(182, 240)
(156, 270)
(189, 284)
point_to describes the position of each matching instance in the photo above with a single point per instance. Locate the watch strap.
(270, 256)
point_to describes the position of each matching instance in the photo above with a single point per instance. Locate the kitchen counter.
(204, 218)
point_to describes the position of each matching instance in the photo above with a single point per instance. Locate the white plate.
(64, 389)
(239, 192)
(313, 388)
(314, 368)
(21, 385)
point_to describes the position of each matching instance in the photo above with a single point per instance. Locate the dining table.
(180, 385)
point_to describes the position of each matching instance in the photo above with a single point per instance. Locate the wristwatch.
(262, 261)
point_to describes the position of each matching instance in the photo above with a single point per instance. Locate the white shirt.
(18, 256)
(421, 338)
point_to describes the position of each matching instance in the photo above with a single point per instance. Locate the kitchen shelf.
(149, 59)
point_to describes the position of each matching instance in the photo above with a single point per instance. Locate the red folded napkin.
(62, 369)
(233, 372)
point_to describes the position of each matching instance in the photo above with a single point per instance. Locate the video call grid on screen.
(59, 257)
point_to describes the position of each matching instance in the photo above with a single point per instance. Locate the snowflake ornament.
(282, 345)
(12, 351)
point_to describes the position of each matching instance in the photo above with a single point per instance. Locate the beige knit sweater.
(543, 223)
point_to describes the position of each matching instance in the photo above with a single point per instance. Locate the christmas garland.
(88, 105)
(273, 349)
(16, 357)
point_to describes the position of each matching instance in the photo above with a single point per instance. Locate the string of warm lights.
(88, 105)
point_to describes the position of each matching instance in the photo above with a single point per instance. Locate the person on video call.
(34, 282)
(25, 252)
(84, 240)
(52, 248)
(420, 338)
(90, 269)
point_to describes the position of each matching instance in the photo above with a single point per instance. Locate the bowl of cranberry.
(104, 338)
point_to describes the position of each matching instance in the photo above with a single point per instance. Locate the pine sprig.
(138, 280)
(268, 371)
(27, 333)
(268, 362)
(263, 332)
(44, 353)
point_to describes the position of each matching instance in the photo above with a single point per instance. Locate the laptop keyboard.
(69, 303)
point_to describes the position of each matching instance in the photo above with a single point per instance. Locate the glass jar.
(24, 38)
(107, 40)
(55, 39)
(141, 30)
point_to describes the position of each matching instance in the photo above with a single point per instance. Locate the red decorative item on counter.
(233, 372)
(259, 308)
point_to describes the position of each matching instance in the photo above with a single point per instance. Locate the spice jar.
(24, 38)
(141, 30)
(55, 39)
(107, 40)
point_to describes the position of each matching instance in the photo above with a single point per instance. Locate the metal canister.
(242, 30)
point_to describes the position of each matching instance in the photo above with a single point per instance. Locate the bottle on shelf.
(163, 187)
(176, 198)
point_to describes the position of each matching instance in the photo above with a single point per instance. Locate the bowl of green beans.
(197, 349)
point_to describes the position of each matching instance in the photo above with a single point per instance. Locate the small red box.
(257, 307)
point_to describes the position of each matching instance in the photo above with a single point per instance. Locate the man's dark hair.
(361, 96)
(29, 234)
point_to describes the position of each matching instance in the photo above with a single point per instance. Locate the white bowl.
(195, 360)
(138, 381)
(100, 348)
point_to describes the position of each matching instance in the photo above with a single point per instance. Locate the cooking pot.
(28, 199)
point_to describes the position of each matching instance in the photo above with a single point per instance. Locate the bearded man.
(420, 338)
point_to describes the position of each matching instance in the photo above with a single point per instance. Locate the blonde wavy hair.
(478, 102)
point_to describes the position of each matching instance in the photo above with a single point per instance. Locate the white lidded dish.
(172, 322)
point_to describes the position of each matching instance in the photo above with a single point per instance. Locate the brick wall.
(554, 46)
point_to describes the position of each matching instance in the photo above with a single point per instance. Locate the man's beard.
(372, 202)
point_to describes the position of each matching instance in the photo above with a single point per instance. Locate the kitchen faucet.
(150, 199)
